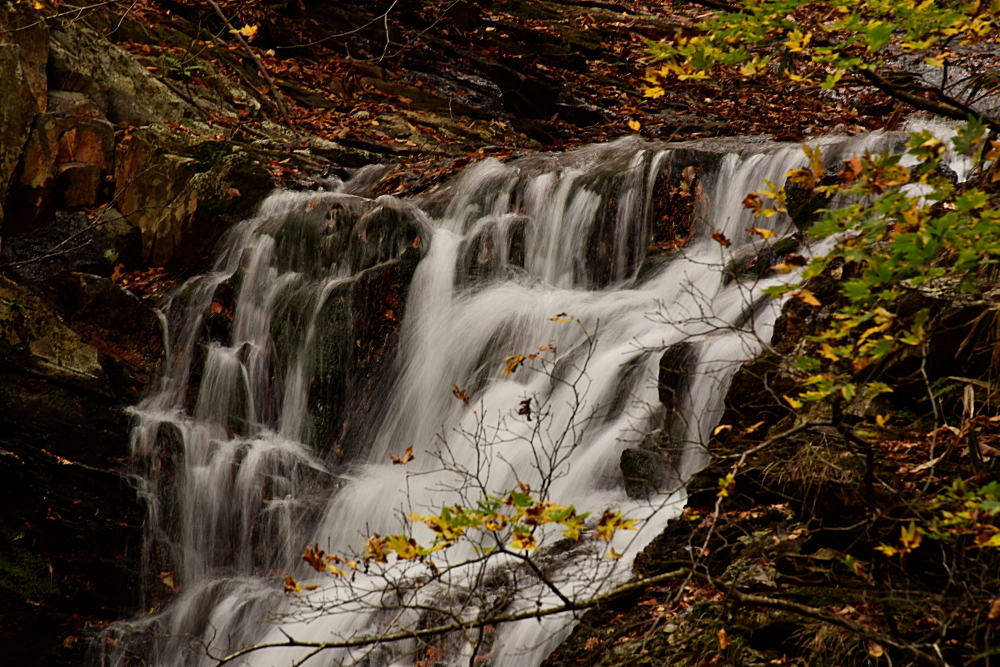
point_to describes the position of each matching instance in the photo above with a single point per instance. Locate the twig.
(275, 93)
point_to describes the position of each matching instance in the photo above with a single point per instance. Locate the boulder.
(112, 320)
(153, 192)
(26, 28)
(647, 473)
(66, 103)
(17, 107)
(81, 60)
(78, 182)
(32, 337)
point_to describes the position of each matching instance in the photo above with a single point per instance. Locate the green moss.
(21, 571)
(207, 153)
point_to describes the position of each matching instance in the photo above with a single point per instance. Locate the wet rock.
(646, 473)
(71, 530)
(96, 245)
(756, 262)
(676, 367)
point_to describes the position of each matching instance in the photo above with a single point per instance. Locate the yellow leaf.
(634, 125)
(248, 31)
(292, 586)
(888, 551)
(720, 428)
(796, 404)
(723, 639)
(763, 233)
(934, 61)
(991, 541)
(805, 296)
(614, 554)
(512, 362)
(654, 92)
(875, 650)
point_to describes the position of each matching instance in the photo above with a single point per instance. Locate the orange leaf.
(721, 239)
(407, 457)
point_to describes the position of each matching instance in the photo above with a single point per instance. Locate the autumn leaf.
(407, 457)
(720, 428)
(562, 317)
(634, 125)
(314, 556)
(247, 31)
(761, 232)
(512, 362)
(291, 585)
(805, 296)
(993, 616)
(614, 554)
(875, 650)
(167, 579)
(525, 408)
(723, 639)
(459, 394)
(721, 239)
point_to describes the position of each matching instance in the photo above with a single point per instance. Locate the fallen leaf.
(723, 639)
(634, 125)
(721, 239)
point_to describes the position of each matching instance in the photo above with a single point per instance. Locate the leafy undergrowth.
(819, 539)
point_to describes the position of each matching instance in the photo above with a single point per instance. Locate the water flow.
(291, 380)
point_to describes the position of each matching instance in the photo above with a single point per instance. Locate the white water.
(242, 475)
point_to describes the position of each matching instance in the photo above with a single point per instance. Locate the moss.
(207, 153)
(21, 571)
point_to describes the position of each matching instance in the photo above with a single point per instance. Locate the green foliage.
(903, 228)
(512, 522)
(841, 35)
(826, 44)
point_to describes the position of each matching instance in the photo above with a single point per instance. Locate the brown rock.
(38, 164)
(153, 194)
(66, 103)
(25, 27)
(17, 106)
(79, 183)
(90, 140)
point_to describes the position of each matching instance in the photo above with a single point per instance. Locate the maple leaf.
(407, 457)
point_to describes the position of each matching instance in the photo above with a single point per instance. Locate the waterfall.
(335, 330)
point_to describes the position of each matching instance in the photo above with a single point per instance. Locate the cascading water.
(332, 332)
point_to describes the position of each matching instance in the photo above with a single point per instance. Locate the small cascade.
(335, 330)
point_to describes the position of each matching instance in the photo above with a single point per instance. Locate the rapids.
(288, 385)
